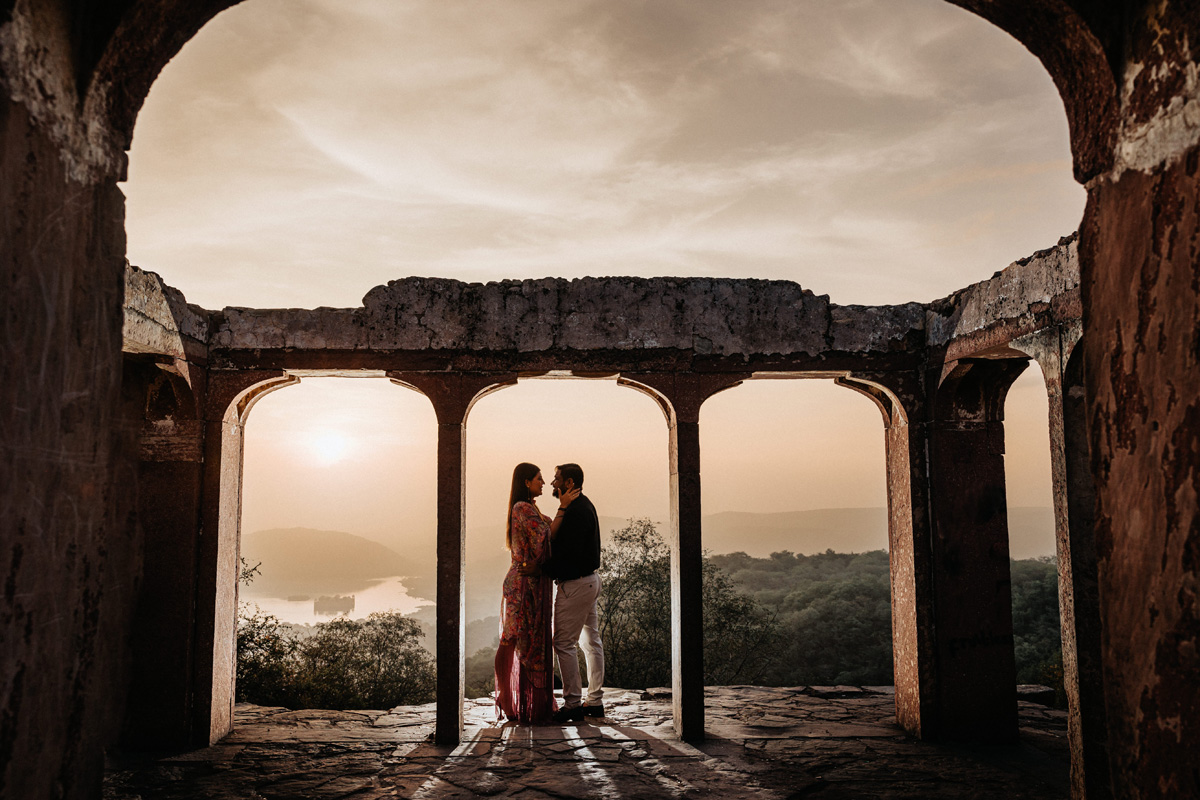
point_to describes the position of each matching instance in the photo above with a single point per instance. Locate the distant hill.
(850, 530)
(843, 530)
(305, 561)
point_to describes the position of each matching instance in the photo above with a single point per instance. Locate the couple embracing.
(559, 555)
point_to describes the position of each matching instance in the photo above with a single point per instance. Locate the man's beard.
(554, 492)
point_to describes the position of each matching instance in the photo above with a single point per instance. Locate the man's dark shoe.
(593, 711)
(568, 715)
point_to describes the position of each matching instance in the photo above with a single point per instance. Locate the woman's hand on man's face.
(566, 498)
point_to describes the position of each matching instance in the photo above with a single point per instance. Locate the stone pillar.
(972, 590)
(161, 399)
(68, 555)
(900, 399)
(680, 397)
(452, 395)
(1078, 589)
(230, 396)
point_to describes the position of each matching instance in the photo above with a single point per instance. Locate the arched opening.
(1031, 536)
(338, 526)
(1057, 353)
(112, 57)
(796, 520)
(619, 440)
(895, 249)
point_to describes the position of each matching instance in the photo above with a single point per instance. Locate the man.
(575, 557)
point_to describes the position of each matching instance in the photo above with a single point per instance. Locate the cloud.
(299, 153)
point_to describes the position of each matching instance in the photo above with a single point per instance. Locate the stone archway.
(74, 79)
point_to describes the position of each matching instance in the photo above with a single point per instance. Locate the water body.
(389, 594)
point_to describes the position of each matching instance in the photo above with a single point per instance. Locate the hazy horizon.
(298, 566)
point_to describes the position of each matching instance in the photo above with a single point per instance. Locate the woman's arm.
(563, 502)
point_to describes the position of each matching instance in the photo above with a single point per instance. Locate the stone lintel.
(604, 324)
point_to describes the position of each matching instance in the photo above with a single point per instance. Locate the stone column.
(900, 399)
(1078, 589)
(680, 397)
(161, 400)
(972, 591)
(230, 396)
(452, 395)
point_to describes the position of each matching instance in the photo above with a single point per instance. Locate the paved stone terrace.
(832, 742)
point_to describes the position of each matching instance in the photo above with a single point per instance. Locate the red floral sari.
(524, 660)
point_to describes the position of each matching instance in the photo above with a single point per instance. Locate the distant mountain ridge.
(307, 561)
(850, 530)
(843, 530)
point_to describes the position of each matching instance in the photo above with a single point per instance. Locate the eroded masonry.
(122, 425)
(938, 373)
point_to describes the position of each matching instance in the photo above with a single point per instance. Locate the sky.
(297, 153)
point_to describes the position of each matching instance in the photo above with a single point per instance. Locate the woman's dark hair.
(519, 493)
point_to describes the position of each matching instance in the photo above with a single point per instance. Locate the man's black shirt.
(575, 551)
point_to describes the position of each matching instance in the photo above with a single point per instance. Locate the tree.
(835, 612)
(373, 663)
(266, 668)
(1037, 634)
(481, 673)
(839, 632)
(635, 616)
(635, 602)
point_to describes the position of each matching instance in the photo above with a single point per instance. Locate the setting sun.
(329, 447)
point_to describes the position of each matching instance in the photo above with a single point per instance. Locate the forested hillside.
(784, 620)
(834, 614)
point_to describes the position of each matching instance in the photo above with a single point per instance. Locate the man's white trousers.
(576, 622)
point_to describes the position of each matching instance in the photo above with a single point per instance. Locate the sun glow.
(329, 447)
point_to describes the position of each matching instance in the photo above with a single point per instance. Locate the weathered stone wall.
(737, 320)
(721, 317)
(1028, 295)
(68, 554)
(1142, 370)
(158, 319)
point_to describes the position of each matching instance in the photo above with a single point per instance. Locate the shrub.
(345, 664)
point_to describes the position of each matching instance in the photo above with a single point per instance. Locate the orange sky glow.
(298, 153)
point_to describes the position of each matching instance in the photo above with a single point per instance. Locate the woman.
(524, 660)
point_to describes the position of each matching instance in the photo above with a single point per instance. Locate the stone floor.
(833, 742)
